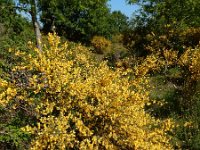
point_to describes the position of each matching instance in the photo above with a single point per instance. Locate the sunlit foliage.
(80, 104)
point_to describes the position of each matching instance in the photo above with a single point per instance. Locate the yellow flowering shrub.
(80, 104)
(170, 56)
(190, 36)
(191, 60)
(150, 63)
(101, 44)
(7, 92)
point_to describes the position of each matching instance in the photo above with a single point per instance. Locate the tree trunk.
(36, 25)
(38, 35)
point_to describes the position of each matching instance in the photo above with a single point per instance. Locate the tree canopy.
(159, 13)
(77, 19)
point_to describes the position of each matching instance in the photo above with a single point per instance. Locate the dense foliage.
(170, 22)
(160, 12)
(72, 102)
(80, 20)
(167, 32)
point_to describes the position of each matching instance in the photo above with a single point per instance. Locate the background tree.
(179, 13)
(77, 20)
(165, 19)
(9, 18)
(118, 21)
